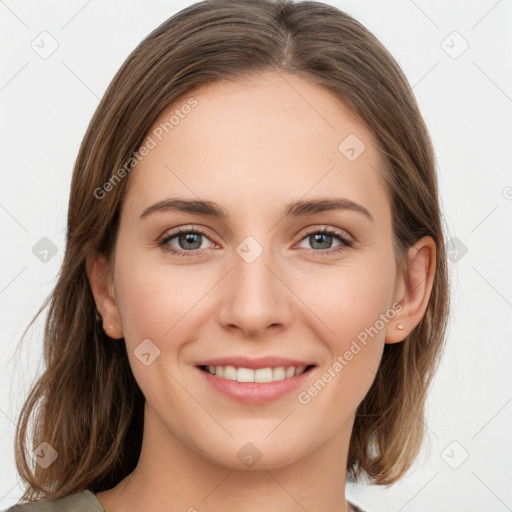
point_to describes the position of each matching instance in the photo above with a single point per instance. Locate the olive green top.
(85, 501)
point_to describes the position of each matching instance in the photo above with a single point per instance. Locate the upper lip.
(254, 363)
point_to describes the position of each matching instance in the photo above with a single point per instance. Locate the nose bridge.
(254, 298)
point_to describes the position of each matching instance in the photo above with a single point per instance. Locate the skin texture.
(253, 146)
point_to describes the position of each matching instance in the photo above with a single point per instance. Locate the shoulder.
(84, 501)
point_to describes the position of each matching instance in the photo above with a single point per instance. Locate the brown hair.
(87, 405)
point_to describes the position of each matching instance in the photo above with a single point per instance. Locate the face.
(302, 286)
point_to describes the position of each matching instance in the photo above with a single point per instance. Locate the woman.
(254, 293)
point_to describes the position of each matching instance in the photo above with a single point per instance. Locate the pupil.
(319, 237)
(190, 238)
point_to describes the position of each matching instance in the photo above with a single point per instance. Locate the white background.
(467, 103)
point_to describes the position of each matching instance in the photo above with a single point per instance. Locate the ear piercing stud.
(99, 319)
(400, 326)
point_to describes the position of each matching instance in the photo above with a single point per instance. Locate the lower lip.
(255, 392)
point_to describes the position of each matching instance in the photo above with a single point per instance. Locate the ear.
(413, 289)
(100, 279)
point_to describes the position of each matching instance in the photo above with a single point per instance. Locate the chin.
(256, 452)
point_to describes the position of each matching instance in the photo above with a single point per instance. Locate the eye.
(321, 241)
(189, 241)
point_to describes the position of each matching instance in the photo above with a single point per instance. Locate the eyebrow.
(294, 209)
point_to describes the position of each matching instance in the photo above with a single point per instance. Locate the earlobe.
(97, 268)
(417, 287)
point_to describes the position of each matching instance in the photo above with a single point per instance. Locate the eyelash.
(339, 235)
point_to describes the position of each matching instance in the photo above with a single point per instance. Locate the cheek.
(350, 298)
(355, 315)
(352, 303)
(157, 302)
(154, 299)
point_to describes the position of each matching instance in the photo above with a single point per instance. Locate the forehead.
(258, 142)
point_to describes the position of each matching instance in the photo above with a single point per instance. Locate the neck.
(170, 473)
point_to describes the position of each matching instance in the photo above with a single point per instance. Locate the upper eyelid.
(319, 228)
(173, 232)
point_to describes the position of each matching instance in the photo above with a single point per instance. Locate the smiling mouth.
(261, 375)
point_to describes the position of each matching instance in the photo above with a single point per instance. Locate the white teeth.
(299, 370)
(245, 375)
(260, 375)
(290, 372)
(229, 372)
(263, 375)
(279, 373)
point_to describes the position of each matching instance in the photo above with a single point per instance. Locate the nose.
(254, 297)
